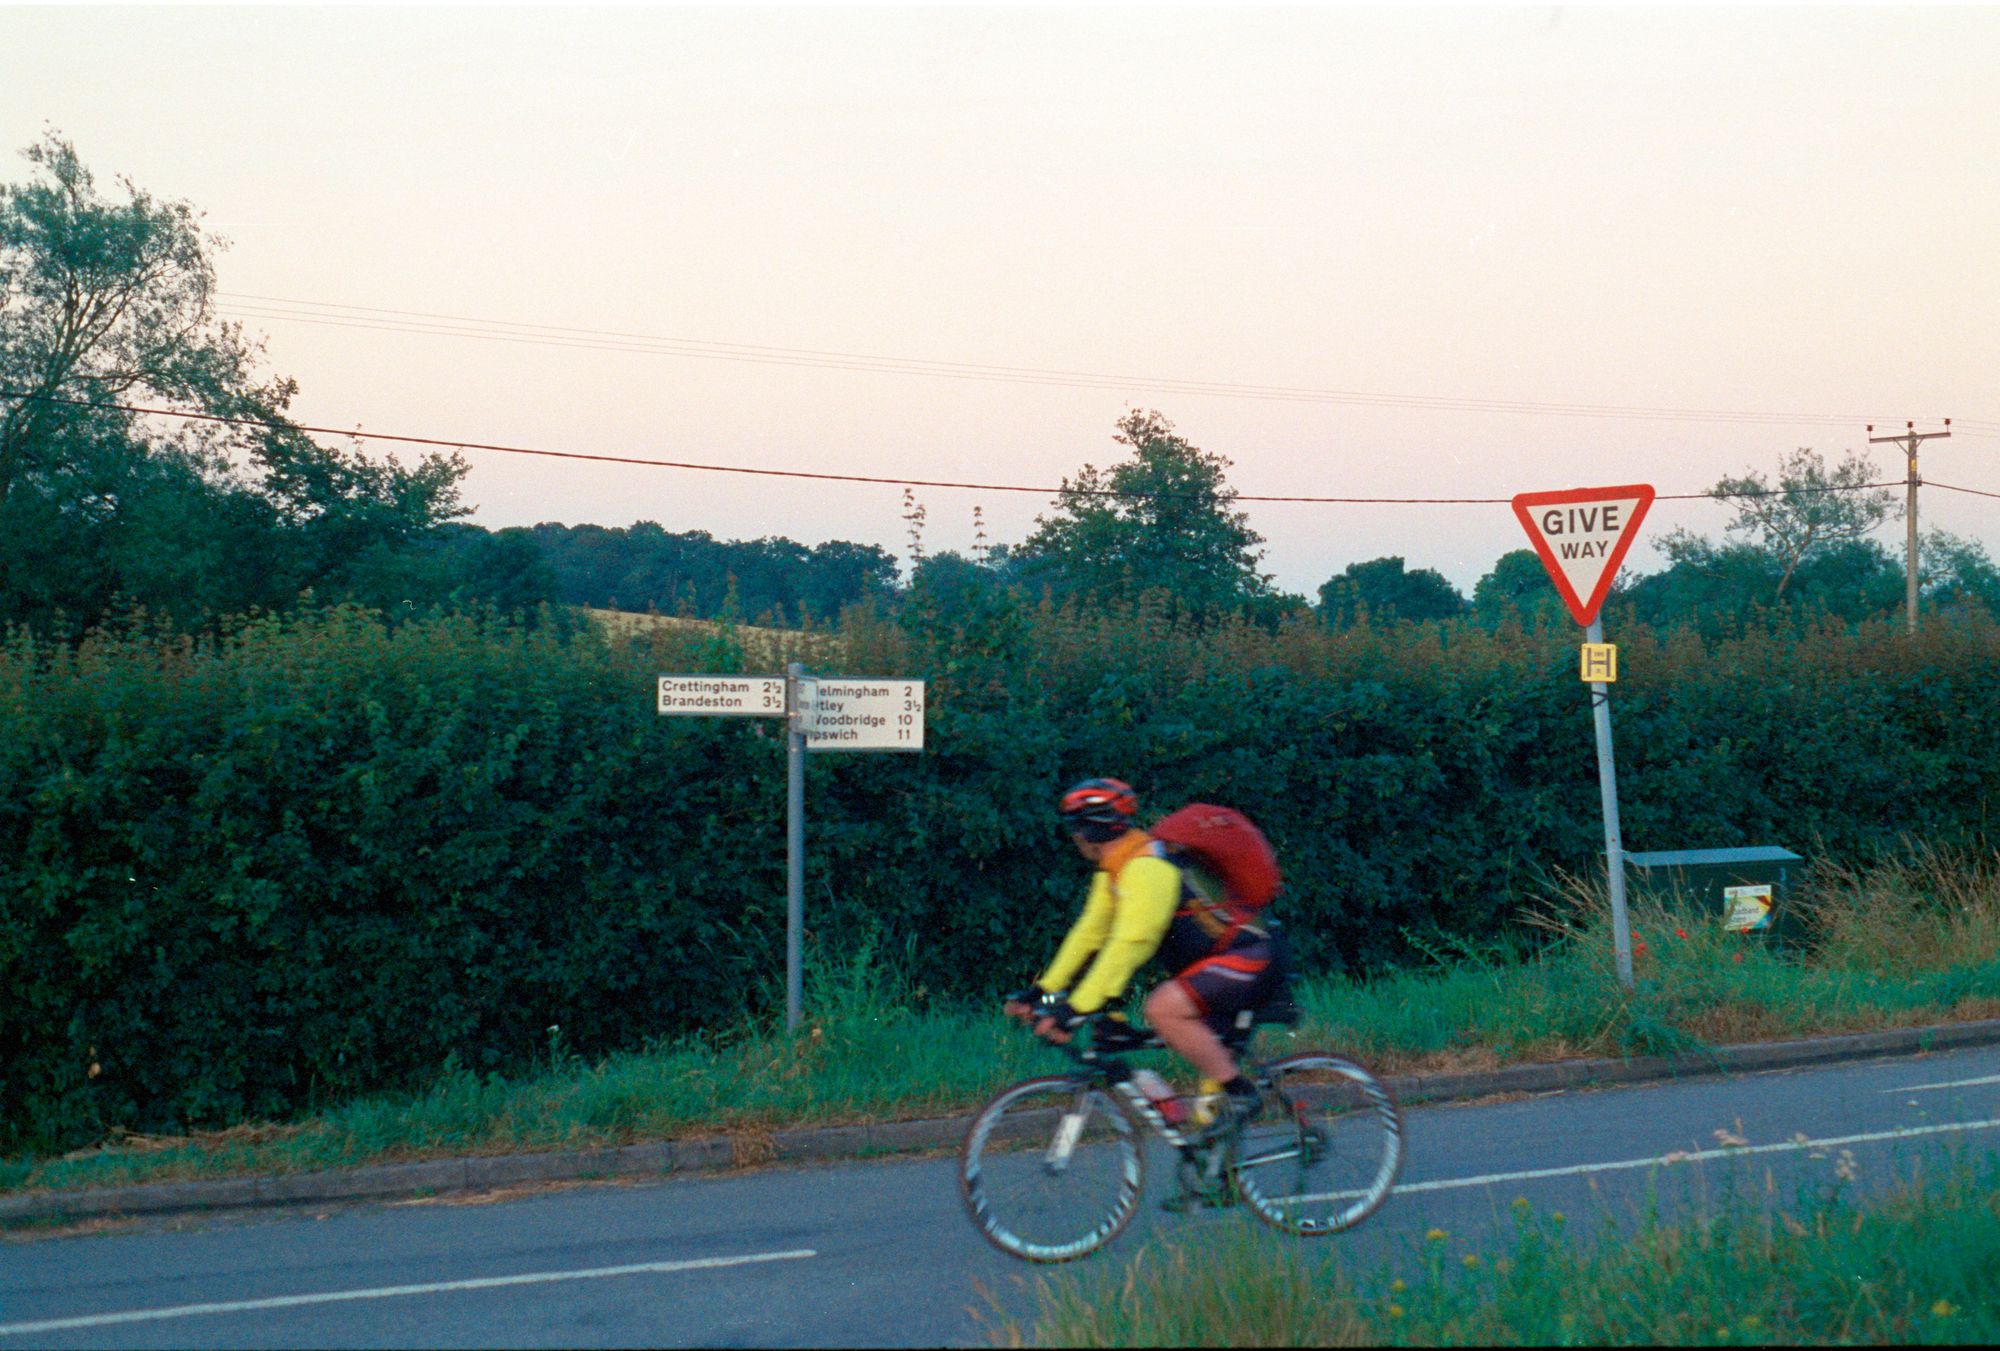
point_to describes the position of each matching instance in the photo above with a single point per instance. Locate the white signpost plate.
(723, 696)
(862, 715)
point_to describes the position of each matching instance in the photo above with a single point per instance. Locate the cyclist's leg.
(1194, 1012)
(1183, 1024)
(1197, 1010)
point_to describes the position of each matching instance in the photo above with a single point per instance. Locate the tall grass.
(1913, 940)
(1918, 1263)
(865, 1054)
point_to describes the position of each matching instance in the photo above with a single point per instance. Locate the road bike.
(1052, 1168)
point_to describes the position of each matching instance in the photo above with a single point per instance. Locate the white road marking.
(1701, 1156)
(1677, 1156)
(1952, 1083)
(394, 1291)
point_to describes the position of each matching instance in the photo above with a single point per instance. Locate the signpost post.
(795, 843)
(820, 715)
(1582, 535)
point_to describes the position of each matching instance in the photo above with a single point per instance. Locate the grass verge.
(1912, 942)
(1917, 1264)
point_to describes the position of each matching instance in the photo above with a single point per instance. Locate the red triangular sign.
(1582, 535)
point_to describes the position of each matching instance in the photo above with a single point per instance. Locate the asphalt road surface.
(880, 1254)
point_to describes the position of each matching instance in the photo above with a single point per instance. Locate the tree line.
(107, 308)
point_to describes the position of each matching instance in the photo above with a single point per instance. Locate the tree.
(1388, 591)
(1957, 571)
(954, 582)
(1715, 588)
(465, 565)
(645, 566)
(1163, 519)
(1800, 547)
(840, 573)
(1718, 588)
(100, 300)
(1812, 510)
(1517, 582)
(111, 302)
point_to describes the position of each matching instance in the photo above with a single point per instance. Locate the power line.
(1976, 492)
(446, 443)
(380, 319)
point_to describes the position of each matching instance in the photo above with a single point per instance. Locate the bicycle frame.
(1106, 1069)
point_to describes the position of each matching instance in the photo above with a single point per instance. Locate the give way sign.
(1582, 535)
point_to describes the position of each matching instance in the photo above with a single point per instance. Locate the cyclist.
(1142, 904)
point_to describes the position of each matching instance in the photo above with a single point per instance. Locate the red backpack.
(1223, 841)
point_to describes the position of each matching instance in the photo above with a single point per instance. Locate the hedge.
(319, 854)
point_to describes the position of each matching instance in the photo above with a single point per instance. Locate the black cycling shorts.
(1224, 985)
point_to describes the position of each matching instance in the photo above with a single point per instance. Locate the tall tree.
(1812, 510)
(101, 300)
(1165, 518)
(1388, 590)
(110, 300)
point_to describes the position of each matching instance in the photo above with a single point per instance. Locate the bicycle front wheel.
(1051, 1169)
(1327, 1149)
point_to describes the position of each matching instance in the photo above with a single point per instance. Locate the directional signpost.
(726, 696)
(863, 715)
(1582, 535)
(824, 715)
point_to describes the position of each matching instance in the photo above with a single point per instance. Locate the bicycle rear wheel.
(1327, 1149)
(1051, 1169)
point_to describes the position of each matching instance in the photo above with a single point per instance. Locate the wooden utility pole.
(1908, 441)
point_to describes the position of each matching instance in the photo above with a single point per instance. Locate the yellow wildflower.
(1395, 1311)
(1944, 1308)
(1436, 1235)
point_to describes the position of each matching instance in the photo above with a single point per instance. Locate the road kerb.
(828, 1144)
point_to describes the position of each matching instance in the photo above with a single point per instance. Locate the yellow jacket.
(1132, 900)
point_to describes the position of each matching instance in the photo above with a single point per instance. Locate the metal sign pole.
(820, 715)
(1607, 785)
(795, 847)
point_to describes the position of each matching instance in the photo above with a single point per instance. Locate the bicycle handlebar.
(1091, 1057)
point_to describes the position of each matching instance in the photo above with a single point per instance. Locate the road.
(878, 1254)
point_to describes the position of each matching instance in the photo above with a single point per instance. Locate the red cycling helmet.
(1099, 809)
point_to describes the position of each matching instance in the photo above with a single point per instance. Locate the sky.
(1377, 253)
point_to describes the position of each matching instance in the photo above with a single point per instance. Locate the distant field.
(768, 644)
